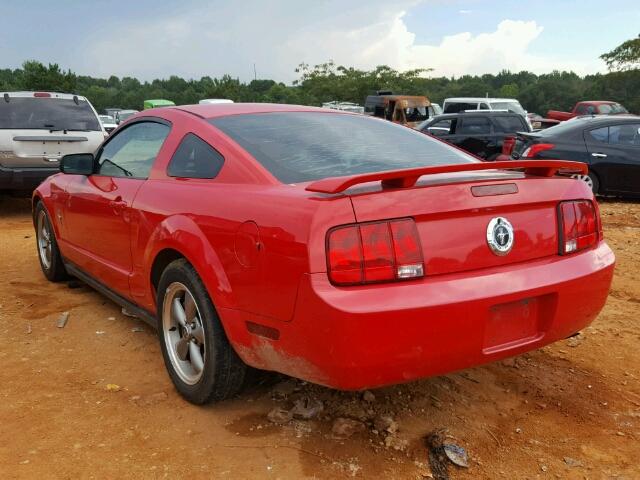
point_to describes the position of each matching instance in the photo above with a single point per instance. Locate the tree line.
(328, 81)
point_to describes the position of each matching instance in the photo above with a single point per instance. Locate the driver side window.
(131, 152)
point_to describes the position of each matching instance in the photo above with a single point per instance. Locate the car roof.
(599, 102)
(215, 110)
(600, 119)
(479, 99)
(475, 113)
(25, 94)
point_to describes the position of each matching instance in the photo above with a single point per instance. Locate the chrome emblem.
(500, 236)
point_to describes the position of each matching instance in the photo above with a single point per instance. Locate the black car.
(480, 132)
(610, 145)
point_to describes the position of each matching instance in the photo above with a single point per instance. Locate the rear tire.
(197, 354)
(48, 252)
(590, 179)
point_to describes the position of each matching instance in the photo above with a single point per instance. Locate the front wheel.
(199, 358)
(590, 179)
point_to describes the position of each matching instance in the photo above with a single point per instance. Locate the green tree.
(35, 76)
(625, 56)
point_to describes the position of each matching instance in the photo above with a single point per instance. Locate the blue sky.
(149, 39)
(580, 29)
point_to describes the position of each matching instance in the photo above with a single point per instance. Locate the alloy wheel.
(183, 333)
(585, 178)
(44, 240)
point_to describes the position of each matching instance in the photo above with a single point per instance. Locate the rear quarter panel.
(247, 235)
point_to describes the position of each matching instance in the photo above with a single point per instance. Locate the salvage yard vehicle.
(403, 109)
(215, 100)
(122, 115)
(108, 123)
(480, 132)
(112, 112)
(609, 145)
(37, 129)
(333, 247)
(158, 103)
(344, 106)
(592, 107)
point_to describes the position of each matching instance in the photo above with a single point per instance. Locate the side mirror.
(78, 164)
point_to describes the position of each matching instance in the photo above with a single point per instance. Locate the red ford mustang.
(337, 248)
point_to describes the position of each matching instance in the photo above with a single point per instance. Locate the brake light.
(507, 145)
(578, 222)
(535, 149)
(374, 252)
(42, 95)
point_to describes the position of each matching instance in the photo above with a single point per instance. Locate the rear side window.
(475, 126)
(509, 124)
(47, 114)
(304, 146)
(443, 127)
(627, 134)
(195, 158)
(600, 135)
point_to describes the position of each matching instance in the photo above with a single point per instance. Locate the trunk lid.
(453, 213)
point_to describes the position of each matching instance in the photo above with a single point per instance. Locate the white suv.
(37, 129)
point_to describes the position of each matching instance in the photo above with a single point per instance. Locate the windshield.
(125, 115)
(106, 119)
(612, 108)
(416, 114)
(47, 114)
(513, 106)
(304, 146)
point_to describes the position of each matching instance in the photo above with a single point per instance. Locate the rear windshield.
(514, 107)
(304, 146)
(611, 108)
(47, 114)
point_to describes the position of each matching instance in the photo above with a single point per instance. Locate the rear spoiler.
(408, 177)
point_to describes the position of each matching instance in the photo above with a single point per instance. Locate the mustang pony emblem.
(500, 236)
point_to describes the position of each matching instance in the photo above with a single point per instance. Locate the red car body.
(591, 107)
(260, 247)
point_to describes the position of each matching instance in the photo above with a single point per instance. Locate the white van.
(37, 129)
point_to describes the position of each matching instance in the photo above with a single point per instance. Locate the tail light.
(508, 144)
(578, 223)
(535, 149)
(42, 95)
(374, 252)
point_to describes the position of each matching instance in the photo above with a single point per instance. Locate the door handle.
(117, 204)
(599, 155)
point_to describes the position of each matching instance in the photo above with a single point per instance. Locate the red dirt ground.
(570, 410)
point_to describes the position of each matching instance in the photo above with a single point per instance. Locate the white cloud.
(219, 38)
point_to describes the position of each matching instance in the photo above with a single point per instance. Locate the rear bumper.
(364, 337)
(27, 178)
